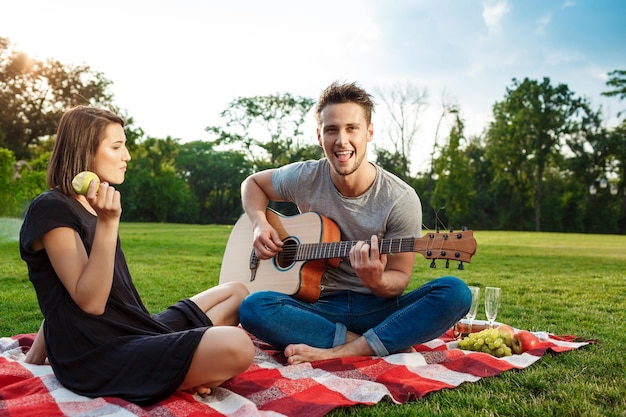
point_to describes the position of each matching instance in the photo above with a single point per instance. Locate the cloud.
(493, 13)
(542, 23)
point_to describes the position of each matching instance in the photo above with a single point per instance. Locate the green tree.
(589, 158)
(393, 162)
(34, 94)
(267, 128)
(596, 156)
(7, 172)
(455, 185)
(153, 191)
(215, 179)
(488, 204)
(20, 182)
(617, 83)
(525, 139)
(617, 138)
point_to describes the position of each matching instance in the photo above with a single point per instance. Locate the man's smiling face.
(343, 134)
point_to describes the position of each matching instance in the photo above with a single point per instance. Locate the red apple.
(528, 340)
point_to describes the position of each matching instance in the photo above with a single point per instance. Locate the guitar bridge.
(253, 265)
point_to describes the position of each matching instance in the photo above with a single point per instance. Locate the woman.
(99, 338)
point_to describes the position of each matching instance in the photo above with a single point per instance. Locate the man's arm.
(256, 192)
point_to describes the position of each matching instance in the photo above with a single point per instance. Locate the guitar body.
(298, 278)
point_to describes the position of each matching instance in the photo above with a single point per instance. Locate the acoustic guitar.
(312, 245)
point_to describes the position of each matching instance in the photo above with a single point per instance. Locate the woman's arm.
(88, 279)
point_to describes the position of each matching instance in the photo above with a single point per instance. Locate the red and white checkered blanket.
(270, 387)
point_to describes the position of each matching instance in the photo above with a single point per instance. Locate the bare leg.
(351, 336)
(37, 352)
(221, 303)
(223, 352)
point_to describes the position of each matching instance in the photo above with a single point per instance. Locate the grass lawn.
(562, 283)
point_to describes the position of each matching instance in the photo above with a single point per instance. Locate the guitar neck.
(329, 250)
(454, 245)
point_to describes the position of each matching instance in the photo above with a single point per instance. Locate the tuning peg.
(461, 266)
(464, 228)
(447, 263)
(433, 264)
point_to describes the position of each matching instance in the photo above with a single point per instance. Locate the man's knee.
(254, 307)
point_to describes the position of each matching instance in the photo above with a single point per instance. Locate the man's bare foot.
(299, 353)
(350, 337)
(304, 353)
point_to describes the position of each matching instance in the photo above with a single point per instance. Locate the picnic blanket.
(270, 387)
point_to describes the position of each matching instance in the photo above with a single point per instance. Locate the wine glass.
(471, 314)
(492, 304)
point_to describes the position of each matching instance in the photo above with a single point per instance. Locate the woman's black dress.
(125, 352)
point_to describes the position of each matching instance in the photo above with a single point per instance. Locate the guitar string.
(327, 250)
(342, 249)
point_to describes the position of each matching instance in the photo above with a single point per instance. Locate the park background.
(503, 115)
(506, 117)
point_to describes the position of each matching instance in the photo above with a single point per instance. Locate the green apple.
(81, 182)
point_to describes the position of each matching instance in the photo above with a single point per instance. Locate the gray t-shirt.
(390, 208)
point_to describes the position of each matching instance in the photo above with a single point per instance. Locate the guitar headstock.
(452, 246)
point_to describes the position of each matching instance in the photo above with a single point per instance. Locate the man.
(362, 309)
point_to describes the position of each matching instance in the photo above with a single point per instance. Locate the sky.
(176, 64)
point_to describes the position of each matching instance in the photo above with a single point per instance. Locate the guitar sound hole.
(285, 258)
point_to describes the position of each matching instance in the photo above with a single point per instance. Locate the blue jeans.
(389, 324)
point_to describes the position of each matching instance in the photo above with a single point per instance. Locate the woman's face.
(112, 156)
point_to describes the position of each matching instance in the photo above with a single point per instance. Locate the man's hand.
(266, 241)
(368, 263)
(385, 275)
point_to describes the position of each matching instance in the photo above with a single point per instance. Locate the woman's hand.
(106, 201)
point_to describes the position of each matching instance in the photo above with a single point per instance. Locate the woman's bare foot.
(200, 390)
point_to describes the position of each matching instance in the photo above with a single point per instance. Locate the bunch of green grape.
(488, 341)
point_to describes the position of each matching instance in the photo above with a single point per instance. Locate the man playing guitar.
(362, 308)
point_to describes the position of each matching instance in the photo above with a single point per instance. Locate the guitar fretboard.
(329, 250)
